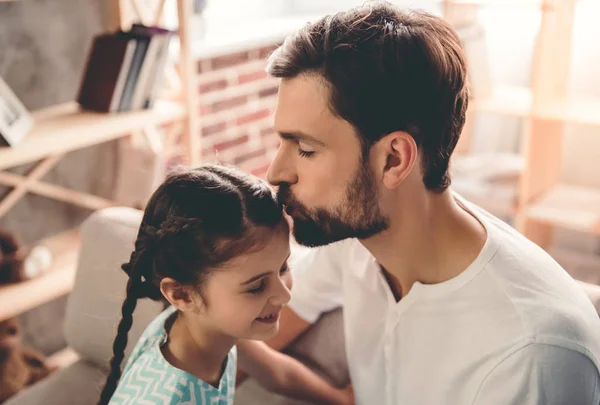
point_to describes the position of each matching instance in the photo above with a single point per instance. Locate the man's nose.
(281, 169)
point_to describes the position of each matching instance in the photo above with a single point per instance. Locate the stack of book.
(124, 69)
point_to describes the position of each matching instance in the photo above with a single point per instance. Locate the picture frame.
(15, 119)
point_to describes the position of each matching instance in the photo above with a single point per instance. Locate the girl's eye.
(259, 289)
(284, 269)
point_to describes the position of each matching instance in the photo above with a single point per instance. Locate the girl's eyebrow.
(261, 275)
(266, 273)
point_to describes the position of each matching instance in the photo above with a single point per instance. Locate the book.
(158, 74)
(106, 71)
(124, 69)
(163, 37)
(152, 65)
(149, 64)
(141, 48)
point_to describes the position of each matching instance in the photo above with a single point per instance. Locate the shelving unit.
(490, 180)
(64, 128)
(541, 200)
(573, 207)
(55, 282)
(544, 201)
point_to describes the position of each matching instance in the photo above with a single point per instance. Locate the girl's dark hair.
(195, 221)
(387, 69)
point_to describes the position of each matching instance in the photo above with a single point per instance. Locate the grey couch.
(93, 313)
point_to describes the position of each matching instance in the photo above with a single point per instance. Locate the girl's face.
(244, 297)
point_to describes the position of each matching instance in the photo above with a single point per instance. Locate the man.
(443, 303)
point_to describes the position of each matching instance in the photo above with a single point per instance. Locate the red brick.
(252, 76)
(253, 116)
(178, 138)
(260, 171)
(213, 86)
(209, 152)
(250, 155)
(229, 103)
(232, 142)
(267, 50)
(268, 92)
(174, 160)
(214, 129)
(204, 109)
(203, 65)
(267, 132)
(232, 59)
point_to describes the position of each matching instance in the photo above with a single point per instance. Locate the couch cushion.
(79, 384)
(94, 306)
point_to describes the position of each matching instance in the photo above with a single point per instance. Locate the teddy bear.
(18, 263)
(20, 366)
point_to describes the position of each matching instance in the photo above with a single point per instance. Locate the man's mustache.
(284, 195)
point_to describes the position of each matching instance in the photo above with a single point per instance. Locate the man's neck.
(431, 239)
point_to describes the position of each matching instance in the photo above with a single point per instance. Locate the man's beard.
(359, 216)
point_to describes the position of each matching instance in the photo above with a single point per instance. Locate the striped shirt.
(149, 379)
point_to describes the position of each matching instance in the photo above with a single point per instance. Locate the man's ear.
(182, 297)
(396, 153)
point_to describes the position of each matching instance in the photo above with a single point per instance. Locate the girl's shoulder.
(152, 380)
(152, 336)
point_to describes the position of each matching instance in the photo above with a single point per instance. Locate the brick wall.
(237, 101)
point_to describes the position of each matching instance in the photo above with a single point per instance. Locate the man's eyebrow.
(299, 136)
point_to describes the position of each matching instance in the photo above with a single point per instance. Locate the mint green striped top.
(149, 379)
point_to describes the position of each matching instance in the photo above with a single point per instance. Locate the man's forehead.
(303, 105)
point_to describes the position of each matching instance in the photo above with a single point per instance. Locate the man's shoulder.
(551, 307)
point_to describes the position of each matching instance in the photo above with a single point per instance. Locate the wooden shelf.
(499, 3)
(508, 100)
(63, 358)
(66, 127)
(489, 180)
(55, 282)
(489, 166)
(571, 207)
(574, 110)
(515, 100)
(499, 198)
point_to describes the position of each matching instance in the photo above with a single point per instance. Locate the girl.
(213, 245)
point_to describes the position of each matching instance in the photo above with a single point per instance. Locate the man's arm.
(542, 374)
(287, 376)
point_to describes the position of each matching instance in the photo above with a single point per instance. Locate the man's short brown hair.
(387, 70)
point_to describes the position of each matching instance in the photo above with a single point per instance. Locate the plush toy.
(20, 366)
(18, 263)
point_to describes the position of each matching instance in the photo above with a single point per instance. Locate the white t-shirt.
(512, 329)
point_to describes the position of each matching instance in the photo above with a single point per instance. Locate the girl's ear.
(184, 298)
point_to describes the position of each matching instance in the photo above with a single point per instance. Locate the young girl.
(213, 244)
